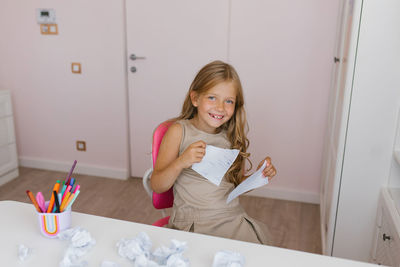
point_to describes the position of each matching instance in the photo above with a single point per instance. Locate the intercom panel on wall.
(45, 16)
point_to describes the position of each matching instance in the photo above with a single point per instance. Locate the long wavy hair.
(236, 128)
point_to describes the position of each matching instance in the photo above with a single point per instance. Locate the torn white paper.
(133, 248)
(254, 181)
(227, 258)
(80, 243)
(106, 263)
(215, 163)
(138, 250)
(23, 252)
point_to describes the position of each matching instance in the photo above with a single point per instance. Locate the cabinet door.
(5, 104)
(8, 149)
(7, 135)
(388, 243)
(8, 158)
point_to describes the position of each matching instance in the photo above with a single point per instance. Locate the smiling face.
(214, 107)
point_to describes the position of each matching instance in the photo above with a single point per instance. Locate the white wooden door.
(176, 37)
(337, 122)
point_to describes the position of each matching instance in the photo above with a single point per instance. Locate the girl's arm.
(169, 164)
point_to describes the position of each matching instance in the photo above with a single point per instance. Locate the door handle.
(134, 57)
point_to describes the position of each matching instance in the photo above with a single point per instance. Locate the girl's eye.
(229, 101)
(211, 97)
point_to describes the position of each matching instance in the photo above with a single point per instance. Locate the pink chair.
(166, 199)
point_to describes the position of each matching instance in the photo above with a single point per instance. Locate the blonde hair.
(209, 76)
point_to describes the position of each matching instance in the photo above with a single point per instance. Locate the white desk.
(18, 225)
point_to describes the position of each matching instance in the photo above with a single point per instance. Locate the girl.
(212, 114)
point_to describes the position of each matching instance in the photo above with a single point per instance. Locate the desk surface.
(19, 225)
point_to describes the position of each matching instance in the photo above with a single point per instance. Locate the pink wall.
(286, 85)
(53, 107)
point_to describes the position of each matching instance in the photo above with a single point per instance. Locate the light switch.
(76, 67)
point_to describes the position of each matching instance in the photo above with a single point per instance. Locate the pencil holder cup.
(51, 224)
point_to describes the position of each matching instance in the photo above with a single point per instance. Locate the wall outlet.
(76, 67)
(49, 29)
(81, 145)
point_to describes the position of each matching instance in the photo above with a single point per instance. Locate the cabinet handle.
(386, 237)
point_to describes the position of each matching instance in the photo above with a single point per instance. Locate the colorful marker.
(72, 201)
(57, 204)
(41, 202)
(68, 201)
(70, 173)
(51, 203)
(30, 195)
(77, 188)
(63, 189)
(64, 201)
(66, 191)
(54, 208)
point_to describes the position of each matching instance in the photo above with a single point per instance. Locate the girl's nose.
(220, 106)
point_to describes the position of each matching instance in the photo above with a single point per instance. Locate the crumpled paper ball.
(227, 258)
(108, 264)
(80, 243)
(23, 252)
(138, 250)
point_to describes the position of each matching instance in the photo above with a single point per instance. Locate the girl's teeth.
(216, 117)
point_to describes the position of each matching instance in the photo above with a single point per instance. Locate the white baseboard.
(79, 169)
(265, 191)
(285, 194)
(5, 178)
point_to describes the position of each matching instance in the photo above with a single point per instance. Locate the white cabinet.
(386, 249)
(362, 126)
(8, 149)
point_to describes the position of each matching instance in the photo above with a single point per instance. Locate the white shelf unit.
(396, 155)
(387, 234)
(394, 179)
(8, 148)
(396, 149)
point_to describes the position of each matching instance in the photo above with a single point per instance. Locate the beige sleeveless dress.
(200, 206)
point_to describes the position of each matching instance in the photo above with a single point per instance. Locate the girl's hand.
(193, 154)
(269, 171)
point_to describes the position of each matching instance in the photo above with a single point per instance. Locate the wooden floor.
(291, 224)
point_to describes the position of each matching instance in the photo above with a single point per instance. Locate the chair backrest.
(166, 199)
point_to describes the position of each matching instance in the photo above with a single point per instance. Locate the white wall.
(286, 99)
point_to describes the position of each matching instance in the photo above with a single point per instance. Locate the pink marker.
(77, 188)
(41, 202)
(66, 191)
